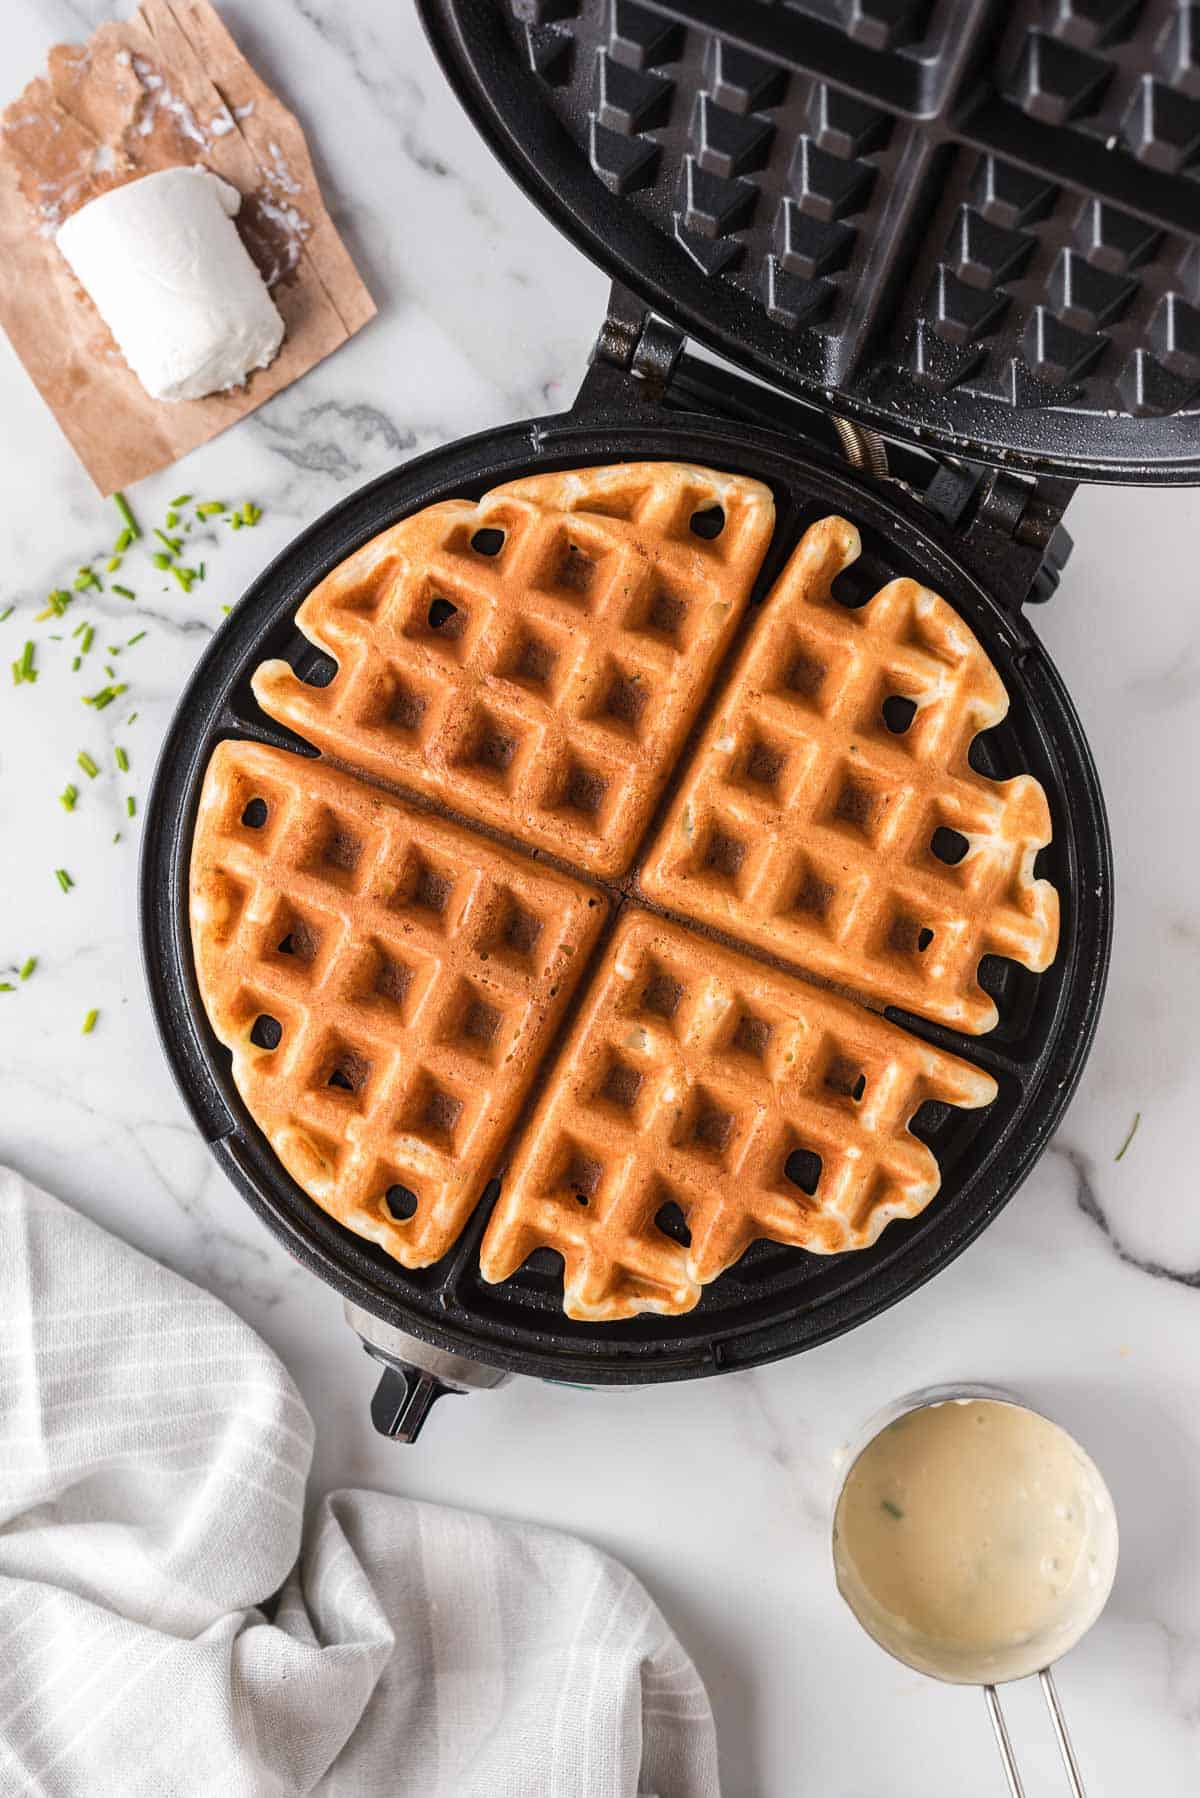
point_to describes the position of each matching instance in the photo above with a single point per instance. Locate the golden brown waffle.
(534, 660)
(830, 814)
(386, 981)
(747, 1102)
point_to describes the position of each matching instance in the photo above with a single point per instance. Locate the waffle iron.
(953, 249)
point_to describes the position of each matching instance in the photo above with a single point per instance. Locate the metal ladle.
(1020, 1661)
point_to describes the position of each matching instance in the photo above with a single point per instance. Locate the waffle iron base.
(777, 1300)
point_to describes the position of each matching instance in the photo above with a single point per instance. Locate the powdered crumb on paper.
(166, 88)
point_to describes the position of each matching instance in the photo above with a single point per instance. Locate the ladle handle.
(1003, 1742)
(1050, 1694)
(1057, 1718)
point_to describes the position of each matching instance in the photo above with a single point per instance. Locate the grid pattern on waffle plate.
(1053, 149)
(831, 816)
(704, 1101)
(534, 660)
(386, 983)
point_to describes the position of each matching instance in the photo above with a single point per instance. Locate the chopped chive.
(6, 614)
(89, 1023)
(105, 696)
(84, 760)
(23, 669)
(67, 798)
(64, 879)
(6, 986)
(174, 544)
(210, 508)
(116, 836)
(200, 572)
(236, 521)
(80, 627)
(131, 805)
(85, 642)
(172, 520)
(114, 649)
(131, 718)
(56, 604)
(122, 543)
(136, 638)
(885, 1504)
(161, 559)
(227, 610)
(182, 500)
(1129, 1136)
(87, 577)
(125, 592)
(122, 760)
(122, 505)
(55, 636)
(251, 513)
(27, 966)
(76, 663)
(185, 577)
(113, 563)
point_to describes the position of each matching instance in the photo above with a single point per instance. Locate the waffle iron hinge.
(634, 356)
(1007, 526)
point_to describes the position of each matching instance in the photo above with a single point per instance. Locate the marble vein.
(1082, 1167)
(328, 438)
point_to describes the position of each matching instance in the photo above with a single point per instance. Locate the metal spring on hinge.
(862, 448)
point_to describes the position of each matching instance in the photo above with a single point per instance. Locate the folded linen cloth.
(153, 1459)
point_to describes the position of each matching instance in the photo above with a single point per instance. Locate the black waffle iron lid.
(972, 223)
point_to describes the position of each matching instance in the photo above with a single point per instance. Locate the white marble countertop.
(1084, 1295)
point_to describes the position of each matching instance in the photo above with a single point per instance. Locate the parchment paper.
(168, 87)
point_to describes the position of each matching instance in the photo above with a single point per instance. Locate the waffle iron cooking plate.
(966, 496)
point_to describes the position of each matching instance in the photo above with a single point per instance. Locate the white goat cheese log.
(165, 268)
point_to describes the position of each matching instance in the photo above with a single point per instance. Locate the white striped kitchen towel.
(167, 1627)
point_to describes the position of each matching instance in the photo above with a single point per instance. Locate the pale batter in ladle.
(976, 1541)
